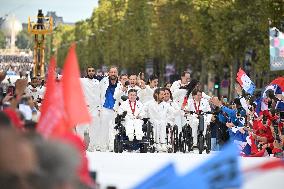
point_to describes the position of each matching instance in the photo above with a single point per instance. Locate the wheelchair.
(172, 138)
(186, 138)
(201, 139)
(122, 142)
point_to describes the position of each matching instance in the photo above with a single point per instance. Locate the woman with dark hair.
(168, 98)
(147, 91)
(167, 85)
(168, 95)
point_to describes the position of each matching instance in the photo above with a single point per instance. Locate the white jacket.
(158, 113)
(125, 106)
(204, 107)
(104, 83)
(118, 93)
(179, 94)
(146, 95)
(175, 86)
(91, 90)
(176, 109)
(36, 93)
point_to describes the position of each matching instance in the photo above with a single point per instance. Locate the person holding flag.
(245, 82)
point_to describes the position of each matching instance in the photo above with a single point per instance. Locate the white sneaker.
(164, 148)
(158, 147)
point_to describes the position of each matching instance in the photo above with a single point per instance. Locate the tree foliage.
(2, 40)
(24, 40)
(202, 35)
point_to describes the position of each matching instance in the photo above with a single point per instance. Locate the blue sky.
(70, 10)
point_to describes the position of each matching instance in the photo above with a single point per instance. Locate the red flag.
(50, 84)
(267, 166)
(51, 121)
(245, 82)
(279, 81)
(74, 101)
(239, 76)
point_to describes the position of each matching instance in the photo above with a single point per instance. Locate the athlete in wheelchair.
(198, 114)
(133, 132)
(161, 116)
(172, 131)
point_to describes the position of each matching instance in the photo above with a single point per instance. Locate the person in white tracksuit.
(179, 95)
(177, 92)
(133, 123)
(120, 91)
(160, 114)
(107, 114)
(91, 92)
(177, 112)
(146, 92)
(198, 105)
(123, 89)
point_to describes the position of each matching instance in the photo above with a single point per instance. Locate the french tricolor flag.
(245, 82)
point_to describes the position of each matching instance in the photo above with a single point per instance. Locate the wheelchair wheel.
(116, 144)
(183, 139)
(152, 149)
(200, 143)
(150, 133)
(183, 146)
(189, 139)
(143, 148)
(208, 142)
(175, 139)
(120, 147)
(180, 141)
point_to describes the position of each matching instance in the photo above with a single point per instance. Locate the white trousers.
(91, 129)
(134, 126)
(180, 121)
(160, 132)
(106, 125)
(193, 121)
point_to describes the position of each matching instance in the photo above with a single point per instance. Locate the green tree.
(203, 35)
(24, 40)
(2, 40)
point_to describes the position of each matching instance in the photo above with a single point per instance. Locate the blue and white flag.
(221, 171)
(245, 82)
(159, 179)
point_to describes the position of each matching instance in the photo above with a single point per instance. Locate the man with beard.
(107, 88)
(33, 88)
(90, 87)
(160, 114)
